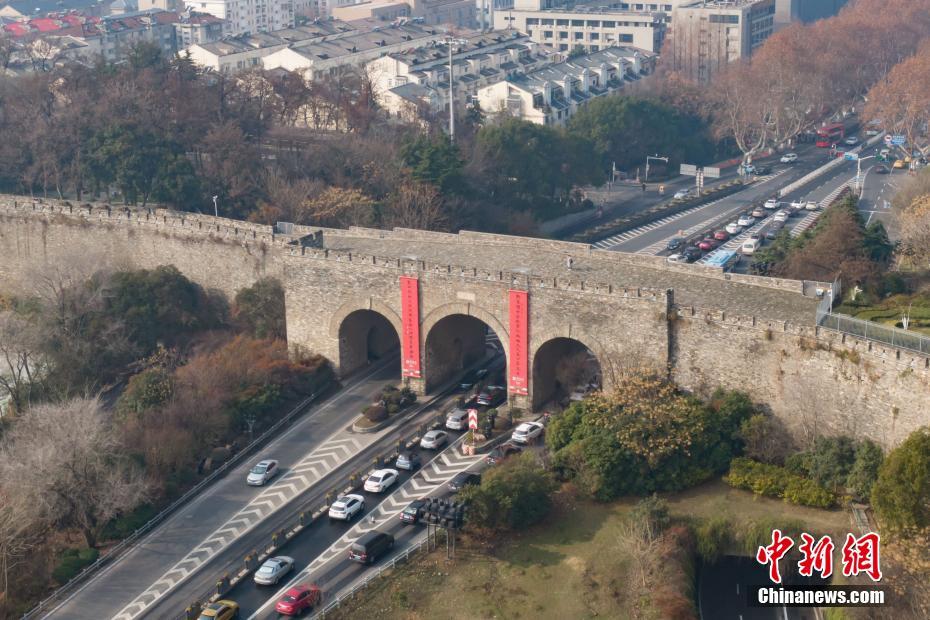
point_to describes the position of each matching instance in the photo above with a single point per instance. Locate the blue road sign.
(898, 140)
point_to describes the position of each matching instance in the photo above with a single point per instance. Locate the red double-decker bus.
(831, 134)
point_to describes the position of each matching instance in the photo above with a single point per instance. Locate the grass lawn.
(571, 567)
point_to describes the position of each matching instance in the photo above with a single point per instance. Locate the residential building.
(49, 41)
(243, 52)
(593, 28)
(248, 16)
(353, 51)
(553, 94)
(709, 34)
(459, 13)
(386, 10)
(197, 28)
(477, 61)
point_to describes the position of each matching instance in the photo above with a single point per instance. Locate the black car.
(691, 253)
(413, 512)
(763, 170)
(370, 546)
(471, 378)
(674, 243)
(881, 169)
(463, 479)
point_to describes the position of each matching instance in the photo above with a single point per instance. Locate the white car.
(733, 228)
(273, 569)
(262, 472)
(527, 432)
(771, 204)
(346, 506)
(380, 480)
(457, 419)
(811, 206)
(682, 193)
(746, 220)
(789, 158)
(797, 204)
(433, 440)
(676, 258)
(851, 140)
(781, 216)
(872, 132)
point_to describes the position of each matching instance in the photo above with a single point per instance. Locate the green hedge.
(72, 562)
(775, 481)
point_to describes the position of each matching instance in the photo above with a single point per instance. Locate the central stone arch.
(549, 348)
(366, 330)
(454, 337)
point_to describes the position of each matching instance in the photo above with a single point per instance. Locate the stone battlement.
(156, 218)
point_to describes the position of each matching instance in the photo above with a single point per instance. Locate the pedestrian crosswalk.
(428, 480)
(658, 246)
(811, 217)
(307, 472)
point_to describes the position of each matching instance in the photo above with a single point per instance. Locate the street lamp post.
(859, 172)
(650, 157)
(450, 41)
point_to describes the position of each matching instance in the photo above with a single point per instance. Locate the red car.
(708, 244)
(721, 235)
(298, 599)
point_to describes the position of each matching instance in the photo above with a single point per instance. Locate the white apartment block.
(244, 52)
(591, 28)
(707, 35)
(476, 62)
(354, 51)
(248, 16)
(552, 95)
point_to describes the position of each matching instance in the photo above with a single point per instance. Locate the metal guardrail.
(363, 582)
(875, 332)
(116, 552)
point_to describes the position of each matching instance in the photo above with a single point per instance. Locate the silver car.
(433, 440)
(262, 472)
(273, 569)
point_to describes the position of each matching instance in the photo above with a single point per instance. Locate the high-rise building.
(248, 16)
(709, 34)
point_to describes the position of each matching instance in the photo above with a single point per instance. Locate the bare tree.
(640, 538)
(20, 364)
(18, 534)
(64, 460)
(416, 205)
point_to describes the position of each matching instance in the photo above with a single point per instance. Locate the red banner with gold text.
(519, 383)
(410, 320)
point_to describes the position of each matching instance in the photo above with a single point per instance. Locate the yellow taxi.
(899, 163)
(220, 610)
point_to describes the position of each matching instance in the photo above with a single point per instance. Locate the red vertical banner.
(519, 383)
(410, 320)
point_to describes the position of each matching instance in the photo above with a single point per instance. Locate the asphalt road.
(311, 542)
(118, 584)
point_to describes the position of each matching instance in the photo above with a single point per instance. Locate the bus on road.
(830, 135)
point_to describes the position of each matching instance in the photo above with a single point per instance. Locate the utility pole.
(449, 42)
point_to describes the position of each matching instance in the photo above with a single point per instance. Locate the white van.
(749, 246)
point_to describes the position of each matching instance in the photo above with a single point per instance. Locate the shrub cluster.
(774, 481)
(646, 437)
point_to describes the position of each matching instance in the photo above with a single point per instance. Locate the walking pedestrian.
(568, 262)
